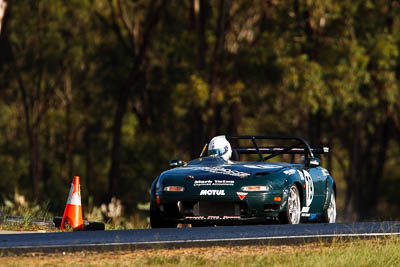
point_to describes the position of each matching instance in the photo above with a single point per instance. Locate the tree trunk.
(32, 133)
(144, 43)
(115, 172)
(69, 140)
(235, 112)
(375, 173)
(35, 161)
(367, 160)
(352, 176)
(5, 16)
(196, 133)
(214, 69)
(202, 44)
(3, 8)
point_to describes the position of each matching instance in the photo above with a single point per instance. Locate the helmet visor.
(217, 152)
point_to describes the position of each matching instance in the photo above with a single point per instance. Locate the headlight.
(174, 188)
(255, 188)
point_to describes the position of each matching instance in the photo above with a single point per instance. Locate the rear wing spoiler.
(300, 146)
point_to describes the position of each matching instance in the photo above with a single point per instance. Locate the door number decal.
(309, 188)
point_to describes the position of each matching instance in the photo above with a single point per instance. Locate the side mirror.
(176, 162)
(313, 162)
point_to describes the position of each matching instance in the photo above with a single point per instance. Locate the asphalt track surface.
(193, 237)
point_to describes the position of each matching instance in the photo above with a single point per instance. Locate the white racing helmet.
(219, 146)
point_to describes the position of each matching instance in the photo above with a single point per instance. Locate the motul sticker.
(241, 195)
(212, 193)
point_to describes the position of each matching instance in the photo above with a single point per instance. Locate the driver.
(219, 146)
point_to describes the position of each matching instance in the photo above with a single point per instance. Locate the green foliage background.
(110, 90)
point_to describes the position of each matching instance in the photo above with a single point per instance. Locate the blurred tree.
(35, 86)
(3, 8)
(112, 89)
(133, 23)
(5, 16)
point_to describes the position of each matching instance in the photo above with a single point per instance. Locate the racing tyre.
(156, 220)
(292, 213)
(329, 215)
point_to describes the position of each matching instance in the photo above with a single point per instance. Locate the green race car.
(218, 189)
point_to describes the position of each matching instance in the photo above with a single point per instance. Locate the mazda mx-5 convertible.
(220, 189)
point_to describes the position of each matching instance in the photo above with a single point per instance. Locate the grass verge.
(375, 252)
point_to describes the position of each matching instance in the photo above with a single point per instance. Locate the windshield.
(208, 161)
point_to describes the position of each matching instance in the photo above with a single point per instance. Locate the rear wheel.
(292, 213)
(156, 221)
(329, 215)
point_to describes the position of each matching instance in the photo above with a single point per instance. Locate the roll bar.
(300, 147)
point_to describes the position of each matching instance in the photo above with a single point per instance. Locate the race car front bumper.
(255, 207)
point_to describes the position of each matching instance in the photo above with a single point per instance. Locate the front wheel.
(329, 215)
(292, 213)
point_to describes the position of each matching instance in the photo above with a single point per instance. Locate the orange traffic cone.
(73, 209)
